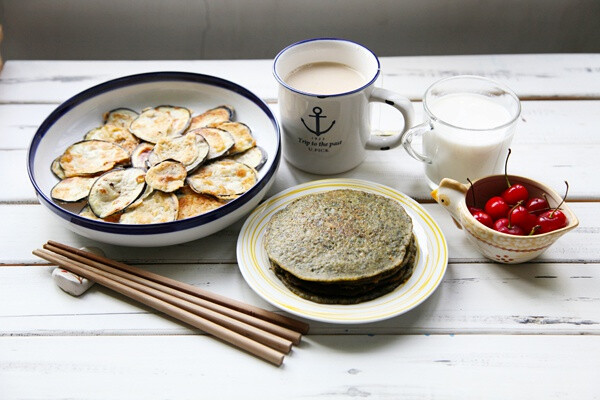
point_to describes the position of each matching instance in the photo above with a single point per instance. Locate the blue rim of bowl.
(164, 227)
(324, 39)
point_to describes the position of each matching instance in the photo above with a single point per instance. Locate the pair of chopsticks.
(260, 332)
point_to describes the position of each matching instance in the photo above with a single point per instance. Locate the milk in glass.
(470, 137)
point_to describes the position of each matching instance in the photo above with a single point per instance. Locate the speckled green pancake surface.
(341, 243)
(339, 235)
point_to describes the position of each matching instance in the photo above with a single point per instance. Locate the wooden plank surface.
(570, 76)
(551, 164)
(541, 121)
(332, 367)
(579, 245)
(489, 298)
(553, 123)
(489, 331)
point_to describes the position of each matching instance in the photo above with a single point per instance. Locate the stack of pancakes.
(341, 246)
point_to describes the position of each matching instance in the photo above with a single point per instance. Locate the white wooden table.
(490, 331)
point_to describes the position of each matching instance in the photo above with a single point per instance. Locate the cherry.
(482, 216)
(520, 216)
(552, 220)
(514, 193)
(503, 225)
(496, 207)
(537, 205)
(478, 213)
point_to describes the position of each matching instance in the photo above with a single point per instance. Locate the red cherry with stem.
(520, 216)
(537, 205)
(514, 193)
(503, 225)
(478, 213)
(496, 207)
(552, 220)
(506, 225)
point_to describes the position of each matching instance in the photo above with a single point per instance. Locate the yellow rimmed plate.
(431, 263)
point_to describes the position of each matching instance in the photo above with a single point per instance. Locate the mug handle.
(407, 138)
(400, 103)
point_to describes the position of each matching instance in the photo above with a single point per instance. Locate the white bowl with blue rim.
(69, 122)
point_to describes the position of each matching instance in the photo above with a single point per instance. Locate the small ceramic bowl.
(455, 197)
(76, 116)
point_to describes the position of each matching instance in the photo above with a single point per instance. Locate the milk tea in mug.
(326, 88)
(324, 78)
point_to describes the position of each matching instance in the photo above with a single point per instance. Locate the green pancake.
(341, 246)
(339, 235)
(349, 293)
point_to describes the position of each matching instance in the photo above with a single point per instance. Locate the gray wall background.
(238, 29)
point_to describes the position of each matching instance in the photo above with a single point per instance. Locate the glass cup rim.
(501, 86)
(325, 39)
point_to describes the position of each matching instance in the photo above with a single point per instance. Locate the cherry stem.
(535, 228)
(506, 168)
(545, 196)
(472, 191)
(510, 212)
(563, 200)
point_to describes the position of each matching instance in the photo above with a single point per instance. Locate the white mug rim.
(321, 96)
(505, 88)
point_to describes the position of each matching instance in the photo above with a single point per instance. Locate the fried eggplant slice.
(115, 190)
(242, 135)
(218, 140)
(181, 117)
(190, 149)
(224, 178)
(87, 213)
(91, 157)
(114, 134)
(57, 169)
(147, 192)
(213, 116)
(73, 189)
(159, 122)
(255, 157)
(157, 208)
(166, 176)
(120, 116)
(192, 204)
(139, 156)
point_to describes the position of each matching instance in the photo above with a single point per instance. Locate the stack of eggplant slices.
(158, 165)
(341, 246)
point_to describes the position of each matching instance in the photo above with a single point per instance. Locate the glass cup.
(470, 123)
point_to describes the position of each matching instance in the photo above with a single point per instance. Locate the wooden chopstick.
(283, 332)
(257, 312)
(252, 346)
(264, 337)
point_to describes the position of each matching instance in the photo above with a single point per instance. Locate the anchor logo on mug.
(326, 86)
(317, 116)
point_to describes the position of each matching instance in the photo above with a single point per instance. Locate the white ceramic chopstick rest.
(71, 283)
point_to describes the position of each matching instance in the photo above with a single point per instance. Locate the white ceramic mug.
(470, 123)
(329, 133)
